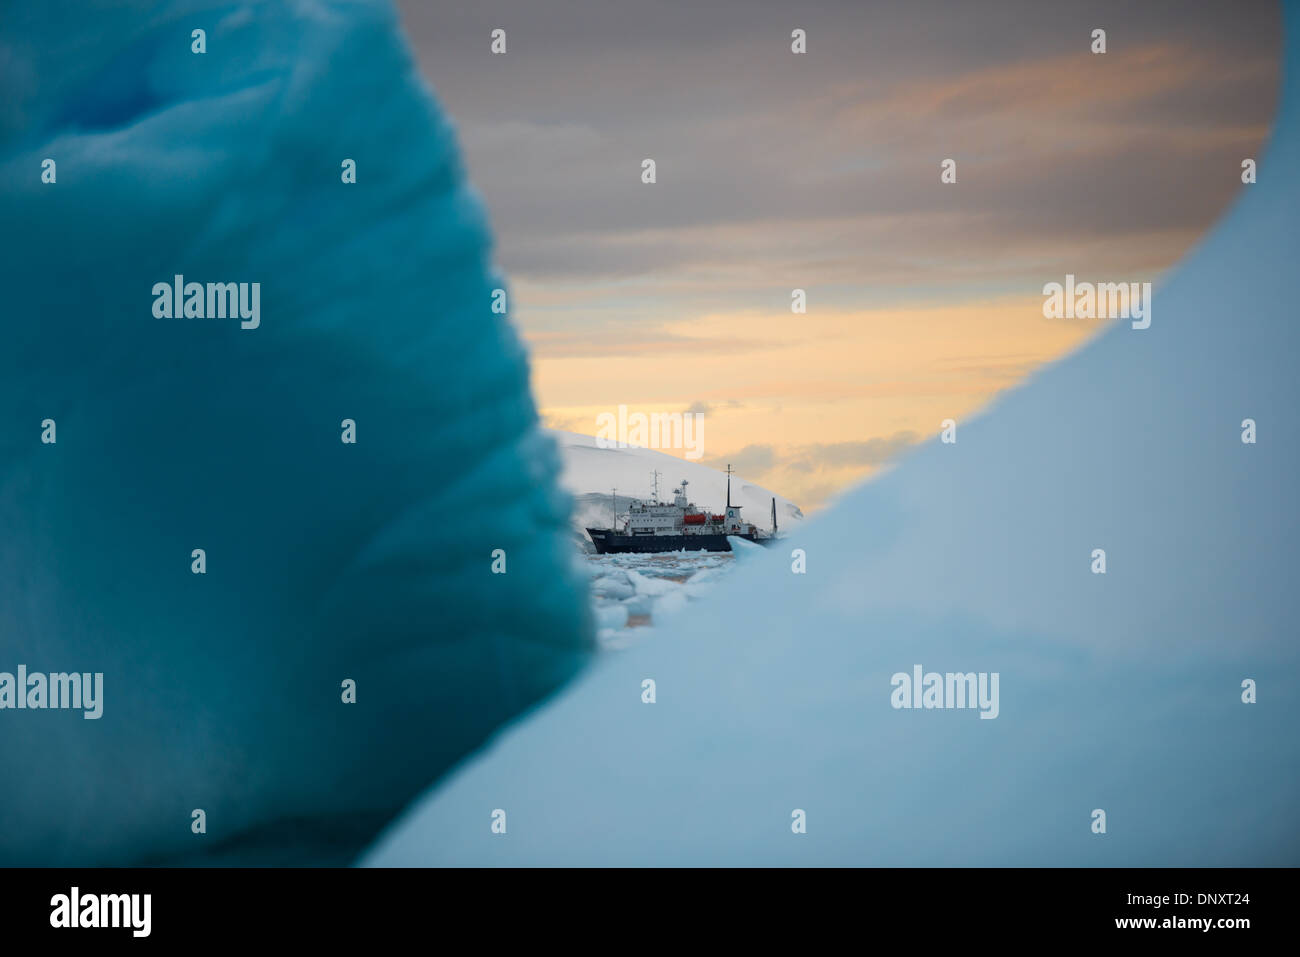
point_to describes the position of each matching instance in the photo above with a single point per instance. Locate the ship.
(655, 526)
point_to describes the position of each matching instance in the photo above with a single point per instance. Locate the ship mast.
(655, 473)
(613, 507)
(728, 485)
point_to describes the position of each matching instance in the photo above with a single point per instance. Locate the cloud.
(566, 423)
(871, 452)
(776, 168)
(757, 458)
(751, 461)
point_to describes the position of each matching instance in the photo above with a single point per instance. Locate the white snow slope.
(1118, 692)
(590, 472)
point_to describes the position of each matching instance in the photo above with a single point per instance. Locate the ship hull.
(608, 542)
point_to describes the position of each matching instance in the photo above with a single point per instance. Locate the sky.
(821, 171)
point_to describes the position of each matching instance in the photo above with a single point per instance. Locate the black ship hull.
(609, 542)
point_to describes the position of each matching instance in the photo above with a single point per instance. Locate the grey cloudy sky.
(818, 156)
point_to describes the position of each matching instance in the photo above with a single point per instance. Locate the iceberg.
(245, 525)
(1146, 714)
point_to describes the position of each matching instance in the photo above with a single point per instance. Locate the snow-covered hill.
(591, 472)
(1125, 732)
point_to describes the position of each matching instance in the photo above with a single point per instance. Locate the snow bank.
(1119, 692)
(325, 561)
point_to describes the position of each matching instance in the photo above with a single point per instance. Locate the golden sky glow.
(818, 388)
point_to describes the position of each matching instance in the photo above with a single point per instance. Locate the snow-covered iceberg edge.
(1120, 693)
(325, 561)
